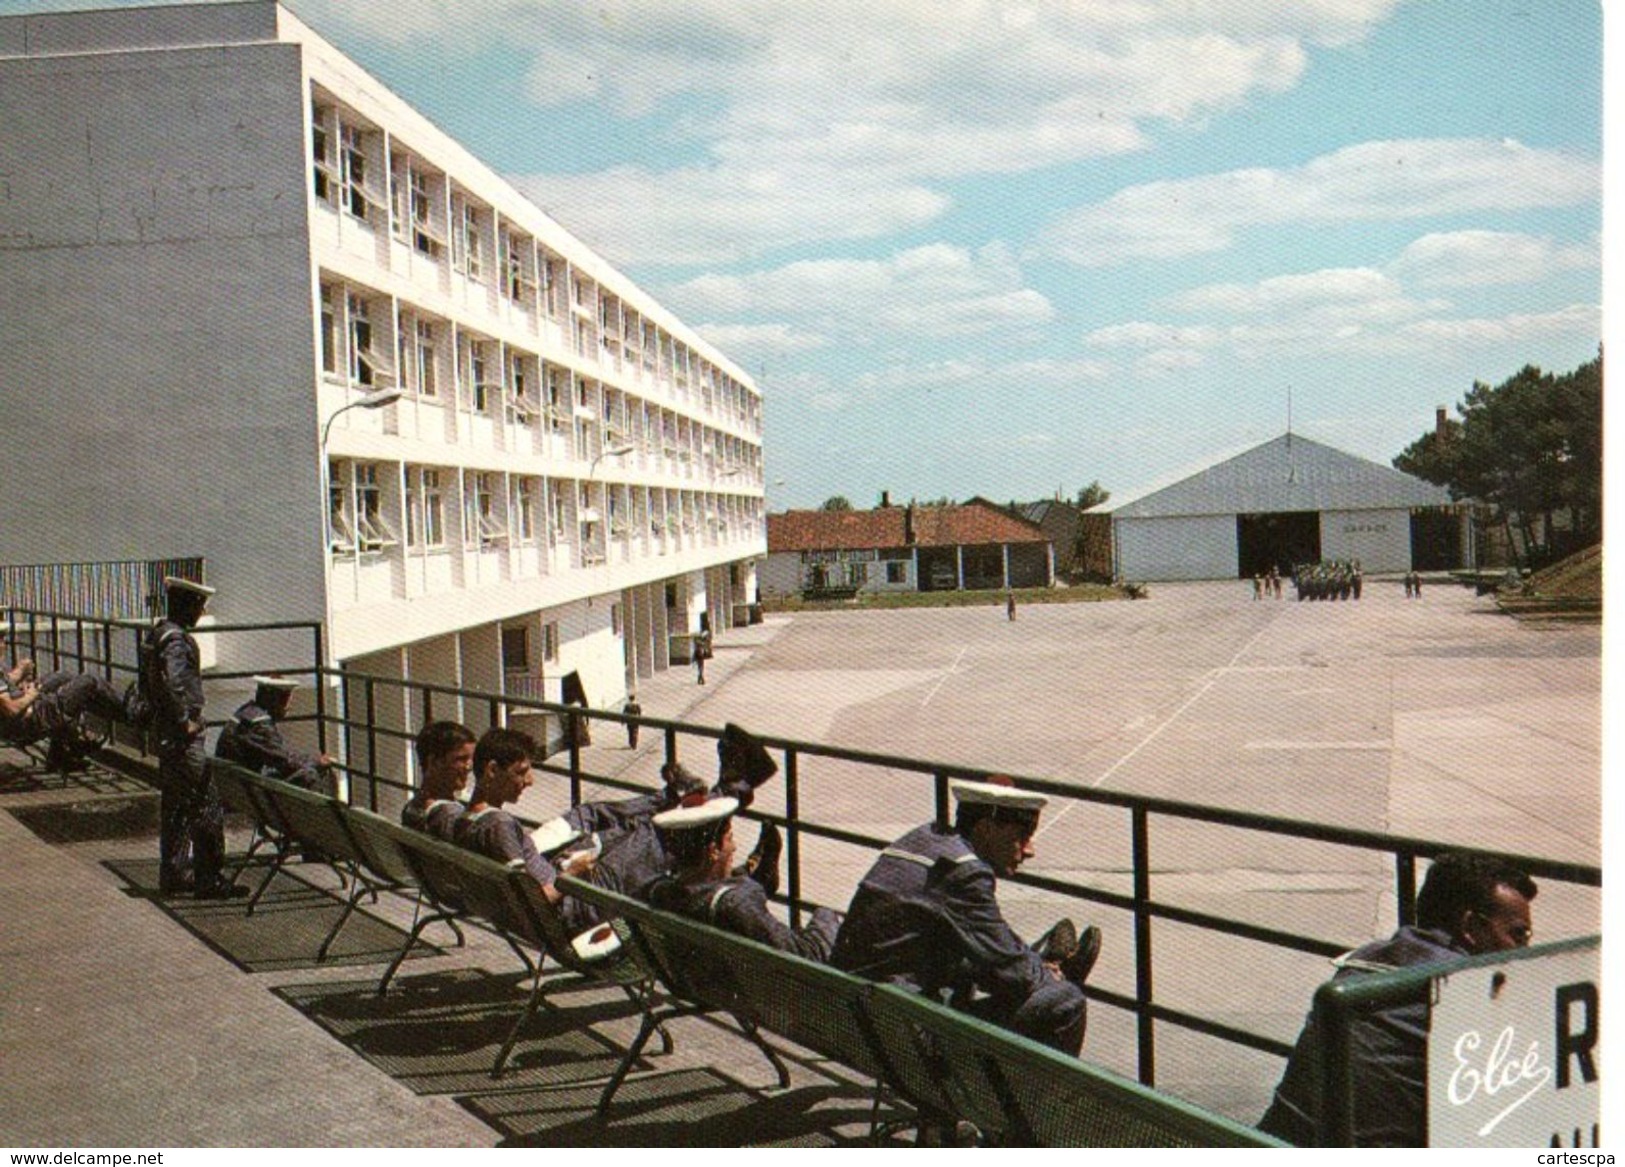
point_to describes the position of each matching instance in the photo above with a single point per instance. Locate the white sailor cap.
(999, 794)
(694, 812)
(285, 684)
(176, 583)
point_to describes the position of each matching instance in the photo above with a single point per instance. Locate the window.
(323, 175)
(367, 367)
(524, 497)
(434, 510)
(896, 571)
(523, 404)
(373, 530)
(550, 642)
(480, 382)
(558, 414)
(330, 333)
(340, 531)
(556, 500)
(517, 284)
(424, 359)
(484, 523)
(516, 649)
(354, 196)
(468, 259)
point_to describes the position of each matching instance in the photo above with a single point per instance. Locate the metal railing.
(368, 745)
(112, 648)
(801, 823)
(120, 589)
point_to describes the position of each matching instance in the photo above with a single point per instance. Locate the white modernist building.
(216, 233)
(1287, 501)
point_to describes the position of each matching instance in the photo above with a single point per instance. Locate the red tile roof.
(973, 523)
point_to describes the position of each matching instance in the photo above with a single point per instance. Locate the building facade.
(977, 544)
(1285, 502)
(218, 235)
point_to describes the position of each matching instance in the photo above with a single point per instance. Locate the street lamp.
(615, 451)
(377, 399)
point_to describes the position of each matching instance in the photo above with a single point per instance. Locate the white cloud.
(1163, 361)
(932, 291)
(833, 120)
(1576, 321)
(751, 342)
(982, 375)
(1371, 181)
(1461, 259)
(1144, 334)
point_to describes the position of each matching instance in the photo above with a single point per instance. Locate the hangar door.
(1277, 539)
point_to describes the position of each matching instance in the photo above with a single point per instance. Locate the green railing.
(373, 752)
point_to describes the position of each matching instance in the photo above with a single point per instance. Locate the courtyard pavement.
(126, 1021)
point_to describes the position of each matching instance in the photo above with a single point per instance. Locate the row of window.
(362, 506)
(363, 172)
(496, 379)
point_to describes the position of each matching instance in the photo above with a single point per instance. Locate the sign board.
(1514, 1053)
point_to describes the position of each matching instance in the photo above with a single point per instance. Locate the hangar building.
(1290, 500)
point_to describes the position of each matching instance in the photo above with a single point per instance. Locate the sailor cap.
(285, 684)
(998, 794)
(176, 583)
(692, 815)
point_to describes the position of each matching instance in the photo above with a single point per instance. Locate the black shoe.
(1058, 943)
(1077, 967)
(178, 886)
(221, 889)
(762, 864)
(680, 782)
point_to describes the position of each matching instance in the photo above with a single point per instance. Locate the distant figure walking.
(1010, 605)
(1416, 584)
(702, 653)
(632, 709)
(1258, 587)
(1410, 588)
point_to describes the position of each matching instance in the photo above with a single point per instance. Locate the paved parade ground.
(1437, 718)
(181, 1024)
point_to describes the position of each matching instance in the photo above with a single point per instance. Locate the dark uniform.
(63, 698)
(739, 904)
(191, 841)
(1388, 1053)
(629, 860)
(253, 741)
(927, 917)
(437, 817)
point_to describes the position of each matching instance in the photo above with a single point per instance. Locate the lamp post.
(377, 399)
(620, 449)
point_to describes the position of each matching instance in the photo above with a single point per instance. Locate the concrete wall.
(156, 316)
(1379, 539)
(1183, 547)
(780, 574)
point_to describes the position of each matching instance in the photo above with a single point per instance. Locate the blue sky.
(1005, 249)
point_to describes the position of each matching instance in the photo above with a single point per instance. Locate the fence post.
(317, 665)
(573, 725)
(1334, 1125)
(941, 786)
(1405, 887)
(372, 746)
(792, 830)
(107, 651)
(1143, 989)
